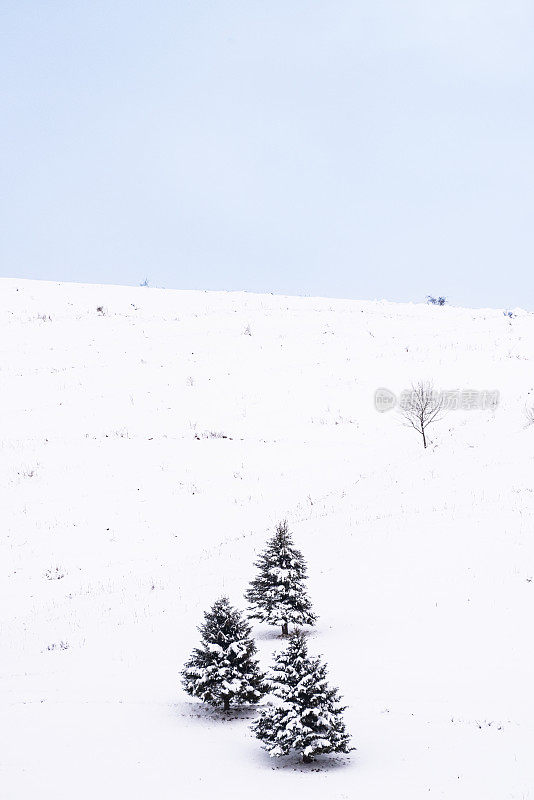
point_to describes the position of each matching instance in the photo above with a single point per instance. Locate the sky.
(368, 150)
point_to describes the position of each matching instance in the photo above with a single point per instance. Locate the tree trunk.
(424, 437)
(226, 706)
(284, 629)
(307, 759)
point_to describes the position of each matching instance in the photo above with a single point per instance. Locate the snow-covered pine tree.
(308, 718)
(223, 669)
(278, 595)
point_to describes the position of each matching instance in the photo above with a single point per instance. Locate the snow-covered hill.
(147, 451)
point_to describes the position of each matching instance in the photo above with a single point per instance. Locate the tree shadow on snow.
(294, 763)
(207, 714)
(274, 634)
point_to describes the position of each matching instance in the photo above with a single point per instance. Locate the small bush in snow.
(212, 435)
(54, 574)
(58, 646)
(436, 301)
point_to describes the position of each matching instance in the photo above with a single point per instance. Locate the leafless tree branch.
(420, 407)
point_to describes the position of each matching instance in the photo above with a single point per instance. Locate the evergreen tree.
(278, 595)
(223, 669)
(308, 718)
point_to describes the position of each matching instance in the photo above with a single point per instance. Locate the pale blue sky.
(352, 149)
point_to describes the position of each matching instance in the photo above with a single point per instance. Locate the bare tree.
(421, 406)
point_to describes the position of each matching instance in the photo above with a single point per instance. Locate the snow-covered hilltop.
(151, 440)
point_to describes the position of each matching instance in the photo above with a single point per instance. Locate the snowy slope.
(147, 453)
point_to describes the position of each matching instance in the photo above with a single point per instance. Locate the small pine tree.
(223, 669)
(309, 717)
(277, 595)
